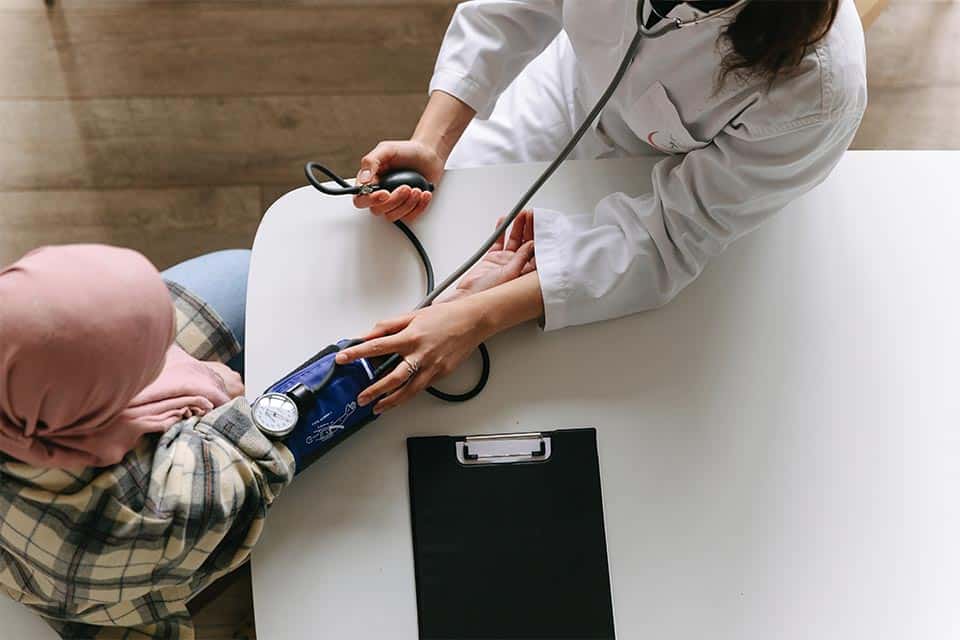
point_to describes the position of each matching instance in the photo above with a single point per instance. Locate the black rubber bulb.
(393, 180)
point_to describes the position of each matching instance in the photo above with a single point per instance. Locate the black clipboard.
(508, 537)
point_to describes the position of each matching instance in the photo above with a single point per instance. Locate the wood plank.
(166, 225)
(914, 45)
(238, 49)
(191, 141)
(230, 615)
(31, 5)
(911, 118)
(870, 10)
(270, 193)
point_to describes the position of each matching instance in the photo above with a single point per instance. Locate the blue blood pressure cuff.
(328, 411)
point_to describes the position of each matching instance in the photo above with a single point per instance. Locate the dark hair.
(771, 36)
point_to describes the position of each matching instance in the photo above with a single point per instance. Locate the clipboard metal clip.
(503, 448)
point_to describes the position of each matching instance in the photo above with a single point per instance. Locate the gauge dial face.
(275, 414)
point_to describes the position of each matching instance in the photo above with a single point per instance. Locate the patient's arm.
(506, 260)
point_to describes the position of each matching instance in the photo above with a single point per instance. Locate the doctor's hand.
(432, 341)
(436, 340)
(404, 203)
(442, 123)
(505, 261)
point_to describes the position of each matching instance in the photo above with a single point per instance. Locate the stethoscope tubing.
(628, 58)
(433, 290)
(346, 188)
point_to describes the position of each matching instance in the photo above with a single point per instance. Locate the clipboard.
(508, 537)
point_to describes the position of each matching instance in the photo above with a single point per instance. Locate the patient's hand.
(228, 379)
(506, 260)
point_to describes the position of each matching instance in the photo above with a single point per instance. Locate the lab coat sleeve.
(635, 254)
(488, 43)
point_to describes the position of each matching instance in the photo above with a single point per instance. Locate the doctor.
(749, 108)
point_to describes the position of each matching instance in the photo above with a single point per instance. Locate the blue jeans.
(220, 280)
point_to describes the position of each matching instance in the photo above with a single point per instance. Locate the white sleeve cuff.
(553, 233)
(467, 90)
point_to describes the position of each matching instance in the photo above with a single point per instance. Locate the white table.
(779, 446)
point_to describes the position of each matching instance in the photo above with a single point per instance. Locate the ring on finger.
(413, 366)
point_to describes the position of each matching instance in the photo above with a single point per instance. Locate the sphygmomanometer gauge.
(275, 414)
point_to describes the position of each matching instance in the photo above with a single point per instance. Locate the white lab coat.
(733, 155)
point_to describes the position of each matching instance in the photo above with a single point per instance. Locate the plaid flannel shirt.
(117, 552)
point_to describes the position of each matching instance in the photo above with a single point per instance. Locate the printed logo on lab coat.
(668, 146)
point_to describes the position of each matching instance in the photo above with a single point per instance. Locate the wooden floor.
(914, 77)
(170, 126)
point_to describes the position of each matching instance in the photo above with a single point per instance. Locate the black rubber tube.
(396, 359)
(346, 189)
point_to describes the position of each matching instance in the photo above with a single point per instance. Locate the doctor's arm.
(637, 253)
(486, 46)
(630, 255)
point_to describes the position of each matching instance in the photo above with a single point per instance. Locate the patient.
(131, 474)
(130, 478)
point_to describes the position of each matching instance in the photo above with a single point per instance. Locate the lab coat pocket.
(655, 120)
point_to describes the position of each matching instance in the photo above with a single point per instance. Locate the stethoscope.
(277, 414)
(673, 24)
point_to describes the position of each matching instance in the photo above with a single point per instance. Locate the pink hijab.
(86, 362)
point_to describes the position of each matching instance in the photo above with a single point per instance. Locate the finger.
(498, 245)
(529, 267)
(387, 384)
(527, 225)
(364, 201)
(375, 347)
(387, 201)
(376, 161)
(516, 234)
(393, 200)
(406, 208)
(375, 199)
(389, 326)
(369, 168)
(425, 199)
(523, 255)
(416, 384)
(523, 227)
